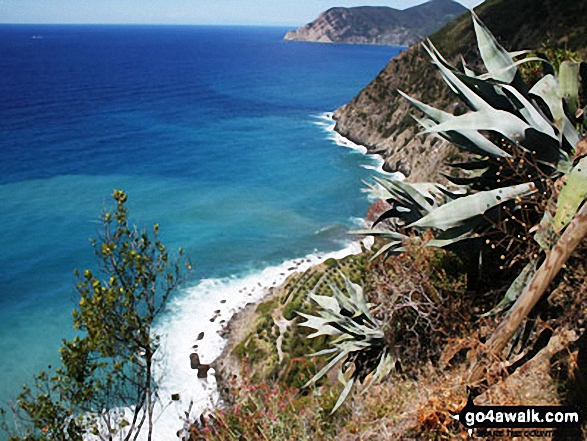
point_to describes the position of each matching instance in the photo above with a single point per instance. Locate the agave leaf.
(456, 212)
(514, 290)
(441, 243)
(424, 201)
(467, 71)
(457, 234)
(510, 126)
(323, 352)
(470, 140)
(319, 324)
(358, 299)
(545, 234)
(569, 84)
(383, 368)
(393, 246)
(476, 92)
(434, 113)
(516, 54)
(471, 165)
(388, 234)
(548, 90)
(330, 315)
(571, 196)
(326, 368)
(531, 114)
(426, 123)
(395, 212)
(356, 295)
(347, 388)
(428, 190)
(460, 180)
(376, 191)
(473, 140)
(489, 91)
(359, 327)
(495, 57)
(342, 299)
(452, 195)
(544, 149)
(417, 203)
(432, 190)
(452, 79)
(326, 302)
(492, 75)
(354, 345)
(388, 185)
(341, 338)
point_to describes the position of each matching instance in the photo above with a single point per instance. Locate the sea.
(221, 135)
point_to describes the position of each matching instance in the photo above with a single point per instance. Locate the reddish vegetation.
(376, 209)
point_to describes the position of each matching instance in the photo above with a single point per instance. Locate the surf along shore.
(203, 326)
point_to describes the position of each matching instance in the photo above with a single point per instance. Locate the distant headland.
(378, 24)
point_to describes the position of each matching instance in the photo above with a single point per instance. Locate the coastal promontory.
(380, 119)
(378, 24)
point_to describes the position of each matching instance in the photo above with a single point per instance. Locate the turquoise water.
(215, 133)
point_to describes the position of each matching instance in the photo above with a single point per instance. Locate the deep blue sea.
(216, 133)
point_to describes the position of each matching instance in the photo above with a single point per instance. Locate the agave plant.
(358, 338)
(517, 141)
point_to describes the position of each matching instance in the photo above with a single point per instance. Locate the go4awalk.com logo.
(517, 417)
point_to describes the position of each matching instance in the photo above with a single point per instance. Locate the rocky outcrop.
(378, 25)
(379, 118)
(196, 364)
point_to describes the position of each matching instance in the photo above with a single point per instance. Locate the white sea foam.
(326, 121)
(190, 314)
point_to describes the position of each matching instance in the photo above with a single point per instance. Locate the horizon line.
(145, 24)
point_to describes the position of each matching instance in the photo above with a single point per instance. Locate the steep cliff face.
(379, 118)
(378, 25)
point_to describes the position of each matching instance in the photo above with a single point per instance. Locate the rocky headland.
(378, 24)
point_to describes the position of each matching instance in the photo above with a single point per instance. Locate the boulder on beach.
(194, 360)
(196, 364)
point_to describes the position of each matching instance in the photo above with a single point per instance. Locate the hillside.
(379, 118)
(410, 340)
(378, 25)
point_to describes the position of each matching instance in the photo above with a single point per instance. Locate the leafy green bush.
(110, 364)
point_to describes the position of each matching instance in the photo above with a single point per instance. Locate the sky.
(205, 12)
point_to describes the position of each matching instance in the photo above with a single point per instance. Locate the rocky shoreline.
(238, 322)
(379, 119)
(226, 366)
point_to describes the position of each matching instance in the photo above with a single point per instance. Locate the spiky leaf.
(495, 57)
(456, 212)
(572, 195)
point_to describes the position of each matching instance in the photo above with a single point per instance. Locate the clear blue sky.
(231, 12)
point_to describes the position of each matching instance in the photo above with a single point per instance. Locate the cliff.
(378, 25)
(379, 118)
